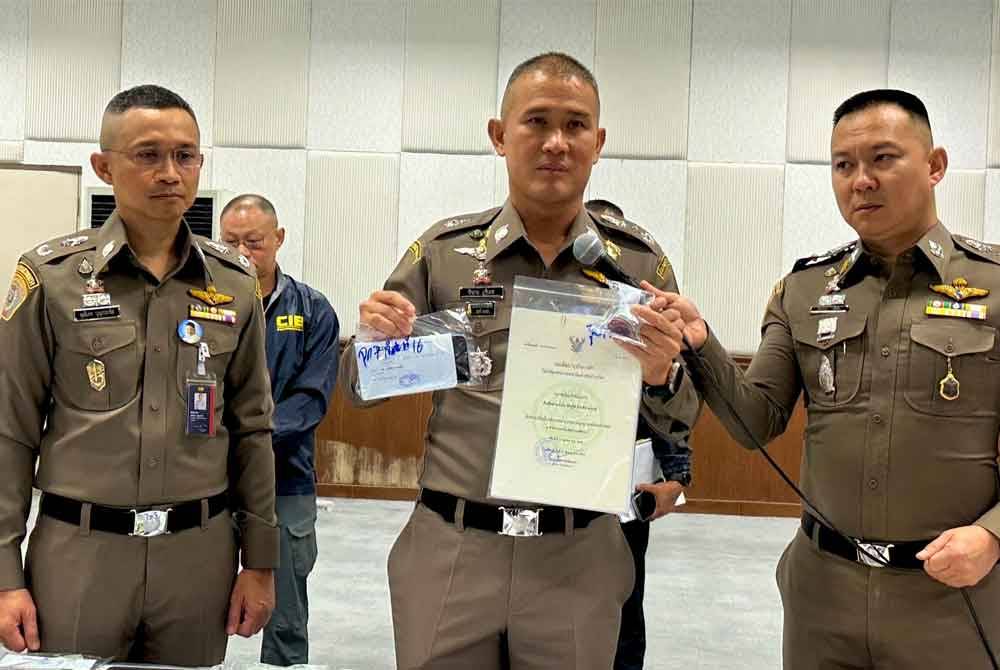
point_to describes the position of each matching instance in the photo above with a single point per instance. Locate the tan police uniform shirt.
(101, 403)
(887, 456)
(462, 430)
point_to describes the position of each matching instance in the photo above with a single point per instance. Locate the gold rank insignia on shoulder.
(416, 251)
(96, 373)
(959, 290)
(662, 267)
(596, 276)
(22, 284)
(210, 296)
(779, 288)
(614, 251)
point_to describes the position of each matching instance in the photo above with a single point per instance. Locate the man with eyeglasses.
(132, 374)
(302, 352)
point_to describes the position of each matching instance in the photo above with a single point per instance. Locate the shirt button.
(477, 327)
(153, 463)
(97, 343)
(949, 348)
(156, 348)
(154, 407)
(890, 294)
(877, 418)
(873, 484)
(885, 352)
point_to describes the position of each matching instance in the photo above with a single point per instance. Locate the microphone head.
(588, 248)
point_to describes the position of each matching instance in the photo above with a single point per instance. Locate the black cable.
(811, 508)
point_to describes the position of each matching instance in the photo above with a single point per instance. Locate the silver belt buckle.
(880, 550)
(520, 522)
(150, 523)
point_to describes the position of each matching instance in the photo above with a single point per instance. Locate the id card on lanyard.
(200, 387)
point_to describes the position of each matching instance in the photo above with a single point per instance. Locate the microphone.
(589, 250)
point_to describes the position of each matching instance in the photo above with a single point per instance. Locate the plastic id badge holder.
(199, 396)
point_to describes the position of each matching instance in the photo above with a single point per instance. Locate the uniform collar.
(508, 227)
(937, 247)
(112, 238)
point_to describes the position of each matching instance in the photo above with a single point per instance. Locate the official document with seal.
(570, 402)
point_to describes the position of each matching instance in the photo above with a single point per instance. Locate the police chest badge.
(96, 373)
(21, 285)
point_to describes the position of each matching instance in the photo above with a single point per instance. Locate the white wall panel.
(74, 66)
(451, 72)
(961, 201)
(994, 102)
(653, 194)
(733, 246)
(262, 73)
(643, 64)
(356, 75)
(839, 47)
(739, 81)
(13, 67)
(435, 186)
(941, 53)
(529, 28)
(991, 230)
(350, 233)
(11, 151)
(501, 186)
(812, 222)
(184, 29)
(280, 176)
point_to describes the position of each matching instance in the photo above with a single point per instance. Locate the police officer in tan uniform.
(463, 594)
(132, 374)
(893, 341)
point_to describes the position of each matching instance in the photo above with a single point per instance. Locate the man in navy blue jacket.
(302, 350)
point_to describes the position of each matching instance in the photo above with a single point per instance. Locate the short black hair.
(144, 96)
(906, 101)
(557, 64)
(599, 206)
(251, 200)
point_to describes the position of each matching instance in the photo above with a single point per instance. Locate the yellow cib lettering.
(288, 322)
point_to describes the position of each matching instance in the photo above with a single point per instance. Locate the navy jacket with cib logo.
(302, 351)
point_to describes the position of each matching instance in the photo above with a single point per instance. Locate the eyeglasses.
(253, 244)
(153, 157)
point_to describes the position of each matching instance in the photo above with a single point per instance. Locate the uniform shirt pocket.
(221, 345)
(97, 366)
(831, 370)
(971, 348)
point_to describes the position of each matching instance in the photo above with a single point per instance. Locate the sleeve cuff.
(991, 521)
(259, 543)
(11, 569)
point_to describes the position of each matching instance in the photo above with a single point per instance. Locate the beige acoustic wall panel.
(529, 27)
(13, 67)
(961, 202)
(350, 235)
(67, 154)
(941, 52)
(812, 222)
(35, 205)
(262, 72)
(839, 47)
(991, 230)
(356, 75)
(184, 29)
(74, 67)
(643, 64)
(435, 186)
(739, 81)
(653, 194)
(994, 128)
(449, 91)
(280, 176)
(733, 247)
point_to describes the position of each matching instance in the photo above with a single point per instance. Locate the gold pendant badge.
(96, 374)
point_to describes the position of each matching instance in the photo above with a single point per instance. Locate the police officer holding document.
(892, 339)
(468, 590)
(132, 373)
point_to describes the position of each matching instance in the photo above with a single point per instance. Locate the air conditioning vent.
(203, 216)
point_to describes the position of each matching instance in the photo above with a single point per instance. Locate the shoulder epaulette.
(826, 257)
(462, 222)
(225, 253)
(612, 222)
(62, 246)
(989, 252)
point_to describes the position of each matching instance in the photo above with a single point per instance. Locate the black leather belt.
(901, 555)
(506, 520)
(138, 522)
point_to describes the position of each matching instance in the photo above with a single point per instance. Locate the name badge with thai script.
(481, 310)
(493, 292)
